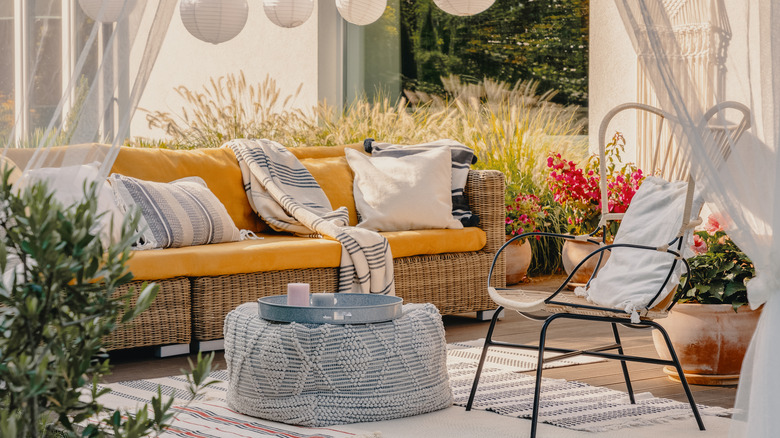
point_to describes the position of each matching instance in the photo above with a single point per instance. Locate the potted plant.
(577, 190)
(710, 326)
(523, 214)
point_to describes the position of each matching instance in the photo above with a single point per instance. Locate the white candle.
(323, 300)
(298, 294)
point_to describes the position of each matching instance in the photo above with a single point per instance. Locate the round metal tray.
(349, 309)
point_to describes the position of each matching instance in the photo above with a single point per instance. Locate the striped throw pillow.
(176, 214)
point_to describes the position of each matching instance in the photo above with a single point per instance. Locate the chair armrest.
(485, 195)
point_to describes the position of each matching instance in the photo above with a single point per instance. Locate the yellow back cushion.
(6, 164)
(329, 167)
(323, 151)
(335, 177)
(218, 168)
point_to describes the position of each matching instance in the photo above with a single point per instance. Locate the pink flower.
(699, 245)
(713, 226)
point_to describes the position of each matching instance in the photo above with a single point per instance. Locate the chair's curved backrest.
(659, 153)
(664, 159)
(719, 132)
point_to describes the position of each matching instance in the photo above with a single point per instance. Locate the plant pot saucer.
(574, 285)
(703, 379)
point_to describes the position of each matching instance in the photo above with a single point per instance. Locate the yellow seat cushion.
(280, 252)
(437, 241)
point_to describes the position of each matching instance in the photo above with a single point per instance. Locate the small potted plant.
(577, 190)
(523, 214)
(711, 326)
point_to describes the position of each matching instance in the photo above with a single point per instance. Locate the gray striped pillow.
(176, 214)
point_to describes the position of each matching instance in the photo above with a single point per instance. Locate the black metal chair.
(564, 304)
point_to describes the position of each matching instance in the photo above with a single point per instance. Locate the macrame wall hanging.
(702, 32)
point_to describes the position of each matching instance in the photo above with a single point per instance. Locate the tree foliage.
(59, 297)
(542, 40)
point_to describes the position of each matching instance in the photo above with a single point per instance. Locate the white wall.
(612, 75)
(613, 67)
(290, 56)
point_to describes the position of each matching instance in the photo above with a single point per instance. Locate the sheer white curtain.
(70, 79)
(742, 181)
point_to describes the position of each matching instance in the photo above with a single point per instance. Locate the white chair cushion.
(632, 277)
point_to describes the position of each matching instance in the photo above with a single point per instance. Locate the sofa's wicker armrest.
(485, 194)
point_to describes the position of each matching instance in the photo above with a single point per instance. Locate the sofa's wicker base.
(214, 297)
(167, 321)
(454, 283)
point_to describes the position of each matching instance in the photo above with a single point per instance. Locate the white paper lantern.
(288, 13)
(463, 7)
(110, 12)
(214, 21)
(361, 12)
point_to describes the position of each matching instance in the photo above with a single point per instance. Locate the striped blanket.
(288, 198)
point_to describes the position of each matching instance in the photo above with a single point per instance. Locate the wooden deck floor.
(139, 364)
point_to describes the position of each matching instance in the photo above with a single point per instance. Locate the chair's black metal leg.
(680, 373)
(624, 365)
(539, 366)
(488, 341)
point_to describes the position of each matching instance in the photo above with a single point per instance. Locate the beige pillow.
(403, 193)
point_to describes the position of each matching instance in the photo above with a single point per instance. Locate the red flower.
(578, 189)
(699, 245)
(713, 226)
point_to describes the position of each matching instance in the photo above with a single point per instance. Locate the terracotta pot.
(518, 259)
(573, 252)
(710, 341)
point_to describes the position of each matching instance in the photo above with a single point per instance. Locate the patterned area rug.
(502, 390)
(569, 404)
(209, 417)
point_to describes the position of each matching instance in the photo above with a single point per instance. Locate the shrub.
(58, 299)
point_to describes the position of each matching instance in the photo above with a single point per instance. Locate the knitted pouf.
(325, 374)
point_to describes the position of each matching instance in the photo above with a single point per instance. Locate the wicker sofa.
(200, 285)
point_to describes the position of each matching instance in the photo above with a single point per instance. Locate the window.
(6, 68)
(40, 42)
(415, 43)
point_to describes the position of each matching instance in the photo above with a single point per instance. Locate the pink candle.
(298, 294)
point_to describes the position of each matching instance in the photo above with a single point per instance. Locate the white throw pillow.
(68, 184)
(632, 277)
(403, 193)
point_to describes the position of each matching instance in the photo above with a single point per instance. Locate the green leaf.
(734, 288)
(737, 304)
